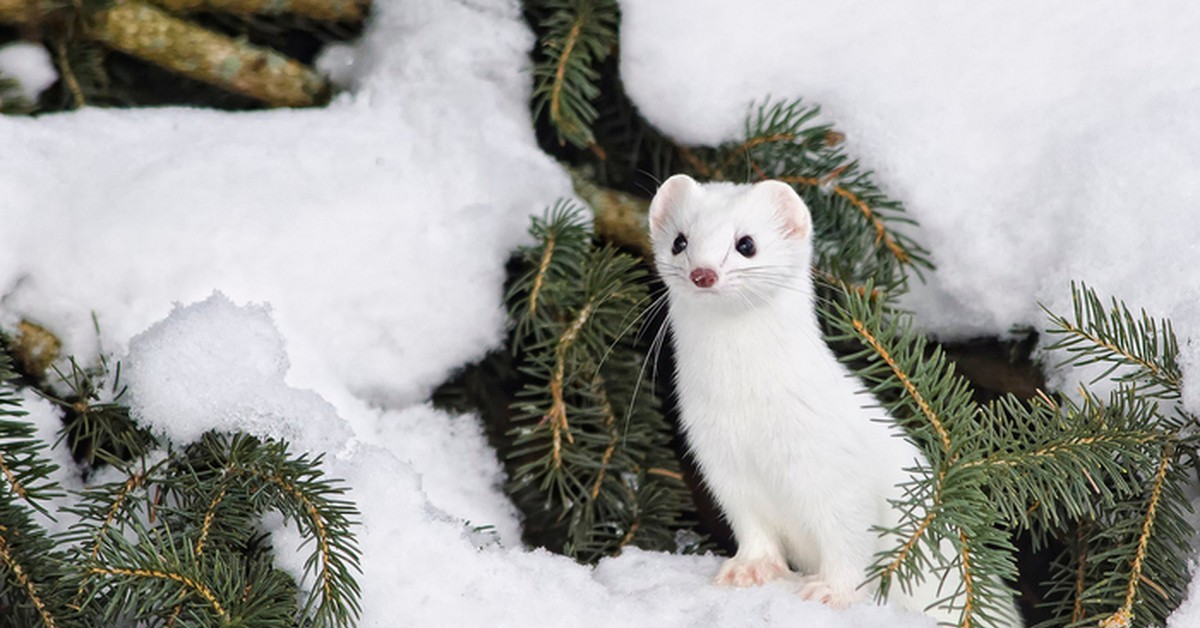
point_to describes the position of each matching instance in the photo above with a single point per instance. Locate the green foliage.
(196, 555)
(176, 540)
(1105, 475)
(1144, 349)
(1128, 565)
(591, 455)
(32, 567)
(96, 424)
(578, 35)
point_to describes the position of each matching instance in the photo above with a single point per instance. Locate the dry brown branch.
(33, 11)
(619, 218)
(151, 34)
(20, 11)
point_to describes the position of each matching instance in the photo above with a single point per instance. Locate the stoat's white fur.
(796, 452)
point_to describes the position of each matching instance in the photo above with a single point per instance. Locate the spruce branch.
(268, 478)
(1142, 345)
(1127, 562)
(31, 567)
(194, 554)
(596, 481)
(32, 572)
(1124, 615)
(97, 425)
(25, 471)
(578, 35)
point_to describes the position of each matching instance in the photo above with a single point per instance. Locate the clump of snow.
(30, 65)
(214, 365)
(336, 63)
(1189, 363)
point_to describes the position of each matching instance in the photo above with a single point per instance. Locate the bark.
(32, 11)
(619, 218)
(151, 34)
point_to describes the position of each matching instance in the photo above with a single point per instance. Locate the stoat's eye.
(679, 245)
(745, 246)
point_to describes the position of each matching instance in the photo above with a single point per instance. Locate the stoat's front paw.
(815, 588)
(744, 572)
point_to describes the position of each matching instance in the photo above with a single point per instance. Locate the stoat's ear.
(789, 208)
(672, 193)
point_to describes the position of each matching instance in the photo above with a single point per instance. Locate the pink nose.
(704, 277)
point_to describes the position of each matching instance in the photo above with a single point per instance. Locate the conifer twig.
(560, 74)
(540, 279)
(68, 75)
(909, 387)
(610, 421)
(968, 577)
(557, 416)
(187, 582)
(578, 33)
(23, 581)
(908, 546)
(1123, 616)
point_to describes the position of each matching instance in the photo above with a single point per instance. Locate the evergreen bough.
(591, 451)
(176, 539)
(577, 36)
(1107, 475)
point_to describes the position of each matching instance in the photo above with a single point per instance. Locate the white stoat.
(795, 450)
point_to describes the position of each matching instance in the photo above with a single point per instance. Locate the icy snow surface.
(1035, 142)
(312, 275)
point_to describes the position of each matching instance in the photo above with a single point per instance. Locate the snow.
(313, 274)
(30, 65)
(1188, 613)
(213, 365)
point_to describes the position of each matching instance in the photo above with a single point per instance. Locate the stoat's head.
(740, 244)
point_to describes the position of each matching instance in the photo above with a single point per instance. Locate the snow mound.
(214, 365)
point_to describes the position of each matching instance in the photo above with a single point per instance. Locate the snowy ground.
(358, 250)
